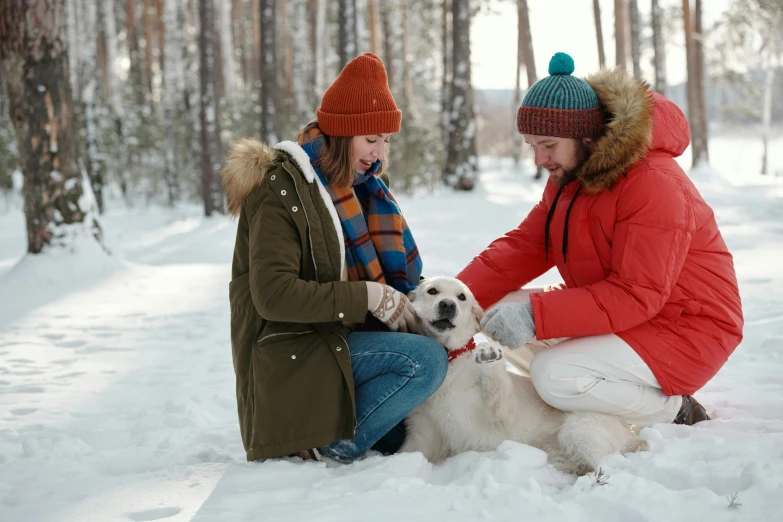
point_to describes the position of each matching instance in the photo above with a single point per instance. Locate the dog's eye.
(432, 291)
(461, 297)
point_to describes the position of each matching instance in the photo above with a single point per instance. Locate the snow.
(117, 390)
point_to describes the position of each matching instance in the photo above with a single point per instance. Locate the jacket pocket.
(299, 390)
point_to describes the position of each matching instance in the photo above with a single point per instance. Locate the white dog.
(481, 403)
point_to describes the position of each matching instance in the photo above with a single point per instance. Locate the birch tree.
(750, 48)
(57, 199)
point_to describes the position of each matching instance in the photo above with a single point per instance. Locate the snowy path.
(117, 392)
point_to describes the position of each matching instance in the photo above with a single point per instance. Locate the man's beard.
(582, 153)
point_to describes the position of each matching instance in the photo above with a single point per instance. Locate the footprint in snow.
(154, 514)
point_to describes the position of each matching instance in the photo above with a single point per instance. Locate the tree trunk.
(407, 85)
(620, 18)
(599, 33)
(171, 48)
(701, 102)
(316, 13)
(388, 45)
(636, 52)
(268, 93)
(319, 54)
(35, 67)
(372, 19)
(766, 114)
(461, 163)
(528, 57)
(95, 164)
(659, 53)
(694, 118)
(346, 18)
(516, 152)
(209, 116)
(229, 69)
(109, 28)
(148, 21)
(447, 60)
(238, 39)
(136, 74)
(103, 61)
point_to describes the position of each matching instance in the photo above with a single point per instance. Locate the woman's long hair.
(335, 156)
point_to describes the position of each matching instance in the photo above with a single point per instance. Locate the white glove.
(390, 306)
(510, 324)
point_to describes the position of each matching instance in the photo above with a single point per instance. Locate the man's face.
(560, 156)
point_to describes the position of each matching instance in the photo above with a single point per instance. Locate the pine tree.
(35, 64)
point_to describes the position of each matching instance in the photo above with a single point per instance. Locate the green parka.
(294, 382)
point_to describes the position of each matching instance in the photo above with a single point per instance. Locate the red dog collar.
(467, 348)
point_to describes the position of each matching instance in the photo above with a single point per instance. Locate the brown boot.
(309, 454)
(691, 412)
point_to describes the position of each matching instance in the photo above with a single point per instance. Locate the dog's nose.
(447, 308)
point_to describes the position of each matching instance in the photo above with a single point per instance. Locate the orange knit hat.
(359, 102)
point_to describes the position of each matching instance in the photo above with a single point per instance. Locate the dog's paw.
(487, 352)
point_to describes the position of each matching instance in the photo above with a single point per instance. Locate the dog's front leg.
(496, 386)
(423, 436)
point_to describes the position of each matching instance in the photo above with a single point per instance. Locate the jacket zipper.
(309, 237)
(312, 254)
(284, 333)
(349, 351)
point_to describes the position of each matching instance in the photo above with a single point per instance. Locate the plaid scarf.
(379, 245)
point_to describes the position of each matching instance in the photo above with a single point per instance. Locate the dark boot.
(691, 412)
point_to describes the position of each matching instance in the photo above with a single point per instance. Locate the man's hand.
(510, 324)
(392, 307)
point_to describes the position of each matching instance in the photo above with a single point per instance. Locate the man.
(650, 307)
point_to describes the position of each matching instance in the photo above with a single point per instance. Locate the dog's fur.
(481, 403)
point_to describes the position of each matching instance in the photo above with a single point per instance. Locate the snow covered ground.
(117, 390)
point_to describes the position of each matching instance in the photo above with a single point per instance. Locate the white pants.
(600, 374)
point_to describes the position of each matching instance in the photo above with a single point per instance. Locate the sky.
(561, 26)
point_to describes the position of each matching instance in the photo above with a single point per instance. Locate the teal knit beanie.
(560, 105)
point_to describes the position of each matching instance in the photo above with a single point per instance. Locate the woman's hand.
(390, 306)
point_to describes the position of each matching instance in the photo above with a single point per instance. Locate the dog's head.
(447, 311)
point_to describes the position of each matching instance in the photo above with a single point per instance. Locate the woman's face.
(366, 150)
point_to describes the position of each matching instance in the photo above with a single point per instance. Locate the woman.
(320, 243)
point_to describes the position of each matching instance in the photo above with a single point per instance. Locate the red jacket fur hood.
(644, 260)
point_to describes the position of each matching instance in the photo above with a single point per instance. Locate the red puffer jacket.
(635, 243)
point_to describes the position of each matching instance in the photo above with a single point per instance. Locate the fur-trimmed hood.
(637, 121)
(247, 165)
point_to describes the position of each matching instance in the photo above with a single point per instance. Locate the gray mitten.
(510, 324)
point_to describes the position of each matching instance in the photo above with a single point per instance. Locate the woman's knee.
(430, 360)
(550, 380)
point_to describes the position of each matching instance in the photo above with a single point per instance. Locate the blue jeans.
(392, 373)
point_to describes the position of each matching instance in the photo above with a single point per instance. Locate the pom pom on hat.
(561, 63)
